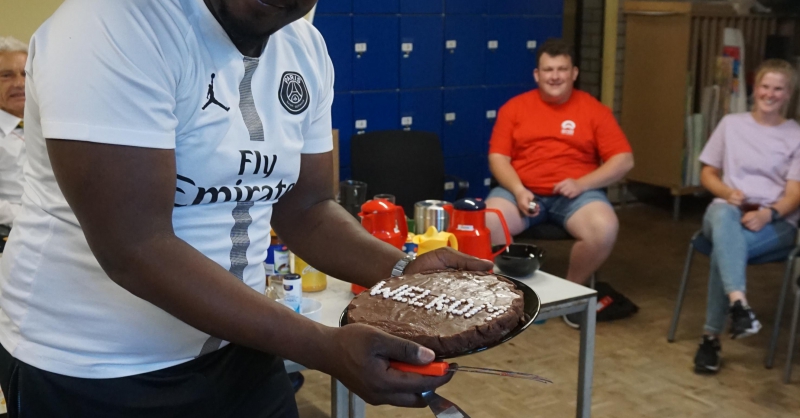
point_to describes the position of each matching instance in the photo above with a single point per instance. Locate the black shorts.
(231, 382)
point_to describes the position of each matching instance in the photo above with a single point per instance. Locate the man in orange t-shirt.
(558, 145)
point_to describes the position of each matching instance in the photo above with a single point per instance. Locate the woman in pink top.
(752, 166)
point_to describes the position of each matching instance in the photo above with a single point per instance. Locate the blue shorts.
(554, 209)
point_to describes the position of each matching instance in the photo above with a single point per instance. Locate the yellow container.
(313, 279)
(432, 239)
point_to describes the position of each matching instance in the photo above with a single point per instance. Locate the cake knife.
(441, 368)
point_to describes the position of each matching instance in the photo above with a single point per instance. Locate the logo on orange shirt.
(568, 127)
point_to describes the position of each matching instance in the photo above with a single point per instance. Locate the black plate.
(531, 310)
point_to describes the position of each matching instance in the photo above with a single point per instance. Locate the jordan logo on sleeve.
(211, 98)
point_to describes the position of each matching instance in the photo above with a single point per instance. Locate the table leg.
(358, 408)
(340, 400)
(586, 360)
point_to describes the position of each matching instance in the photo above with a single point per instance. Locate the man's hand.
(569, 188)
(360, 360)
(447, 258)
(736, 198)
(524, 198)
(756, 219)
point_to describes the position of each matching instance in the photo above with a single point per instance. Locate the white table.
(558, 296)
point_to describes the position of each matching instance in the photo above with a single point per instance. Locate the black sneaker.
(297, 380)
(708, 358)
(573, 320)
(743, 321)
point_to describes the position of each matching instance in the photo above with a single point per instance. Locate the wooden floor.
(637, 373)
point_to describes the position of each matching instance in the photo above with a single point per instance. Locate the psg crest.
(293, 93)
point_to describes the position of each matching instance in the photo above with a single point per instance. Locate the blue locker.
(338, 34)
(496, 97)
(421, 110)
(545, 7)
(421, 6)
(478, 172)
(464, 116)
(376, 6)
(375, 111)
(376, 61)
(342, 116)
(421, 50)
(475, 7)
(465, 48)
(510, 7)
(474, 169)
(510, 57)
(333, 7)
(541, 29)
(345, 174)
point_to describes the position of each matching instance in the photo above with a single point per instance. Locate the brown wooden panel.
(654, 96)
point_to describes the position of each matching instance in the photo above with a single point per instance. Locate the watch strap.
(400, 267)
(775, 214)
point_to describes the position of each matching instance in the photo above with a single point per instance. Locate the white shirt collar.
(8, 122)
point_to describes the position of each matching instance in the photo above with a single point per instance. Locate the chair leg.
(787, 374)
(593, 280)
(773, 342)
(681, 293)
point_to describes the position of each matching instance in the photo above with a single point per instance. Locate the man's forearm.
(504, 173)
(329, 224)
(713, 183)
(610, 172)
(177, 278)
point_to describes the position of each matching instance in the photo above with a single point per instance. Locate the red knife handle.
(437, 368)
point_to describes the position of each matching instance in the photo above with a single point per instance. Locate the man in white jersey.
(165, 138)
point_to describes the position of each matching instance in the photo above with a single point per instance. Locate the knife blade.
(441, 407)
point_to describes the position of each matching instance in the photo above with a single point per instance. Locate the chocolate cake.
(448, 311)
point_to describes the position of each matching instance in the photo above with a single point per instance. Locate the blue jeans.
(733, 246)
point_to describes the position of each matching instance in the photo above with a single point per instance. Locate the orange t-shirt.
(550, 143)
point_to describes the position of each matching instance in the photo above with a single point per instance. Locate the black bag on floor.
(612, 305)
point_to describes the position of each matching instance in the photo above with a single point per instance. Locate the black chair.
(787, 374)
(406, 164)
(703, 245)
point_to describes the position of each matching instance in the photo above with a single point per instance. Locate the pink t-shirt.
(756, 159)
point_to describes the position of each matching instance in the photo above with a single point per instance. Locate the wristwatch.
(775, 214)
(400, 267)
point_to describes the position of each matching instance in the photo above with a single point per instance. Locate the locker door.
(477, 167)
(545, 8)
(421, 6)
(375, 64)
(421, 49)
(375, 6)
(375, 111)
(465, 46)
(541, 29)
(333, 7)
(421, 110)
(496, 97)
(475, 7)
(464, 116)
(510, 58)
(510, 7)
(338, 34)
(342, 115)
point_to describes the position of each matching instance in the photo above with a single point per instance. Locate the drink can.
(293, 291)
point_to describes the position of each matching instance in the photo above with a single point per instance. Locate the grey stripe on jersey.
(241, 213)
(246, 104)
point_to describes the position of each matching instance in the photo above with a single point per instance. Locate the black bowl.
(519, 260)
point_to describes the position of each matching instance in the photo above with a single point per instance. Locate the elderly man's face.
(257, 18)
(12, 82)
